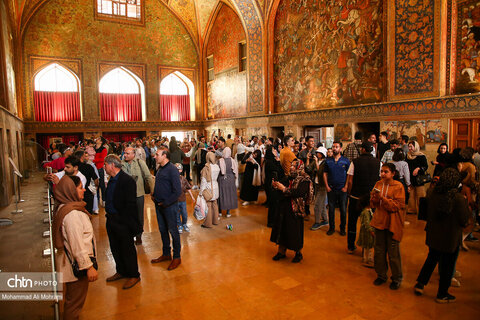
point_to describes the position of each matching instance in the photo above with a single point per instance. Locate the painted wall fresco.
(468, 44)
(414, 46)
(436, 131)
(255, 57)
(227, 95)
(343, 132)
(415, 130)
(186, 9)
(226, 33)
(328, 53)
(10, 97)
(204, 10)
(63, 28)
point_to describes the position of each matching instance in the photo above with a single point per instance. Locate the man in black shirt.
(89, 173)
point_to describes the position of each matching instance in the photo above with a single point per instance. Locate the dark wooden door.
(462, 133)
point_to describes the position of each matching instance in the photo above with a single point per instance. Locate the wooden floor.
(230, 275)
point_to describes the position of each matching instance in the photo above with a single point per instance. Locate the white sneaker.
(186, 228)
(220, 214)
(194, 188)
(245, 203)
(180, 229)
(228, 215)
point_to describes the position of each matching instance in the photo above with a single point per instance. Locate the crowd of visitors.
(376, 182)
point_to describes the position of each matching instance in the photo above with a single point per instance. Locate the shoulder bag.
(75, 268)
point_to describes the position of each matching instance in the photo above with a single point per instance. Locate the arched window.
(122, 96)
(56, 94)
(176, 97)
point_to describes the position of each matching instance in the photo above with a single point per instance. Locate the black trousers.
(88, 198)
(123, 248)
(446, 267)
(353, 214)
(186, 172)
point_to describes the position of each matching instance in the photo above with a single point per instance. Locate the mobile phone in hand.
(376, 190)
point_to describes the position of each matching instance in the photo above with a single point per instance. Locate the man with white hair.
(138, 170)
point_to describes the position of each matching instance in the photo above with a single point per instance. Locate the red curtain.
(44, 140)
(122, 137)
(120, 107)
(175, 108)
(56, 106)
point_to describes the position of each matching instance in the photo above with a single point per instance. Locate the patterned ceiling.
(194, 13)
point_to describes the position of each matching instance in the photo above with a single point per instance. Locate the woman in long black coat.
(296, 191)
(273, 170)
(249, 192)
(447, 215)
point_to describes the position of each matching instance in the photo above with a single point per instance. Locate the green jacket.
(139, 171)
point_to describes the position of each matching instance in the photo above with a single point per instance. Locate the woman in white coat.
(209, 186)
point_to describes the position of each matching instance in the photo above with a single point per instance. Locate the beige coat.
(138, 169)
(77, 233)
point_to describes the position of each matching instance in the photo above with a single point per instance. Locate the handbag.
(423, 179)
(75, 268)
(208, 193)
(146, 185)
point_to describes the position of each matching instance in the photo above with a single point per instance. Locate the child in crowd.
(388, 199)
(366, 237)
(182, 202)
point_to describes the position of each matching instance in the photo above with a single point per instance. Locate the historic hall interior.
(124, 71)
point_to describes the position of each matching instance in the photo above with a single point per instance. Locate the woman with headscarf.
(296, 192)
(440, 162)
(273, 171)
(227, 178)
(447, 215)
(251, 177)
(209, 184)
(74, 240)
(417, 165)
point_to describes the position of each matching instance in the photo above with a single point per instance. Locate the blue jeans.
(335, 197)
(167, 223)
(182, 211)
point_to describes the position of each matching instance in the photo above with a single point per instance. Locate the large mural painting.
(468, 44)
(227, 93)
(328, 53)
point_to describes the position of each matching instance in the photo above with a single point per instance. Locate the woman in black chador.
(296, 192)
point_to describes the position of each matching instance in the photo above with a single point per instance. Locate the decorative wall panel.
(66, 29)
(204, 11)
(227, 95)
(223, 40)
(328, 54)
(468, 42)
(7, 47)
(186, 9)
(255, 57)
(415, 36)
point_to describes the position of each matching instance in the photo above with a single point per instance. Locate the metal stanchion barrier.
(50, 252)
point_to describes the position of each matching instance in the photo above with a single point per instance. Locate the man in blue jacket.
(165, 195)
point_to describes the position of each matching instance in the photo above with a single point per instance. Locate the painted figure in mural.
(327, 53)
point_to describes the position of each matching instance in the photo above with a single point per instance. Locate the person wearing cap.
(363, 173)
(321, 216)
